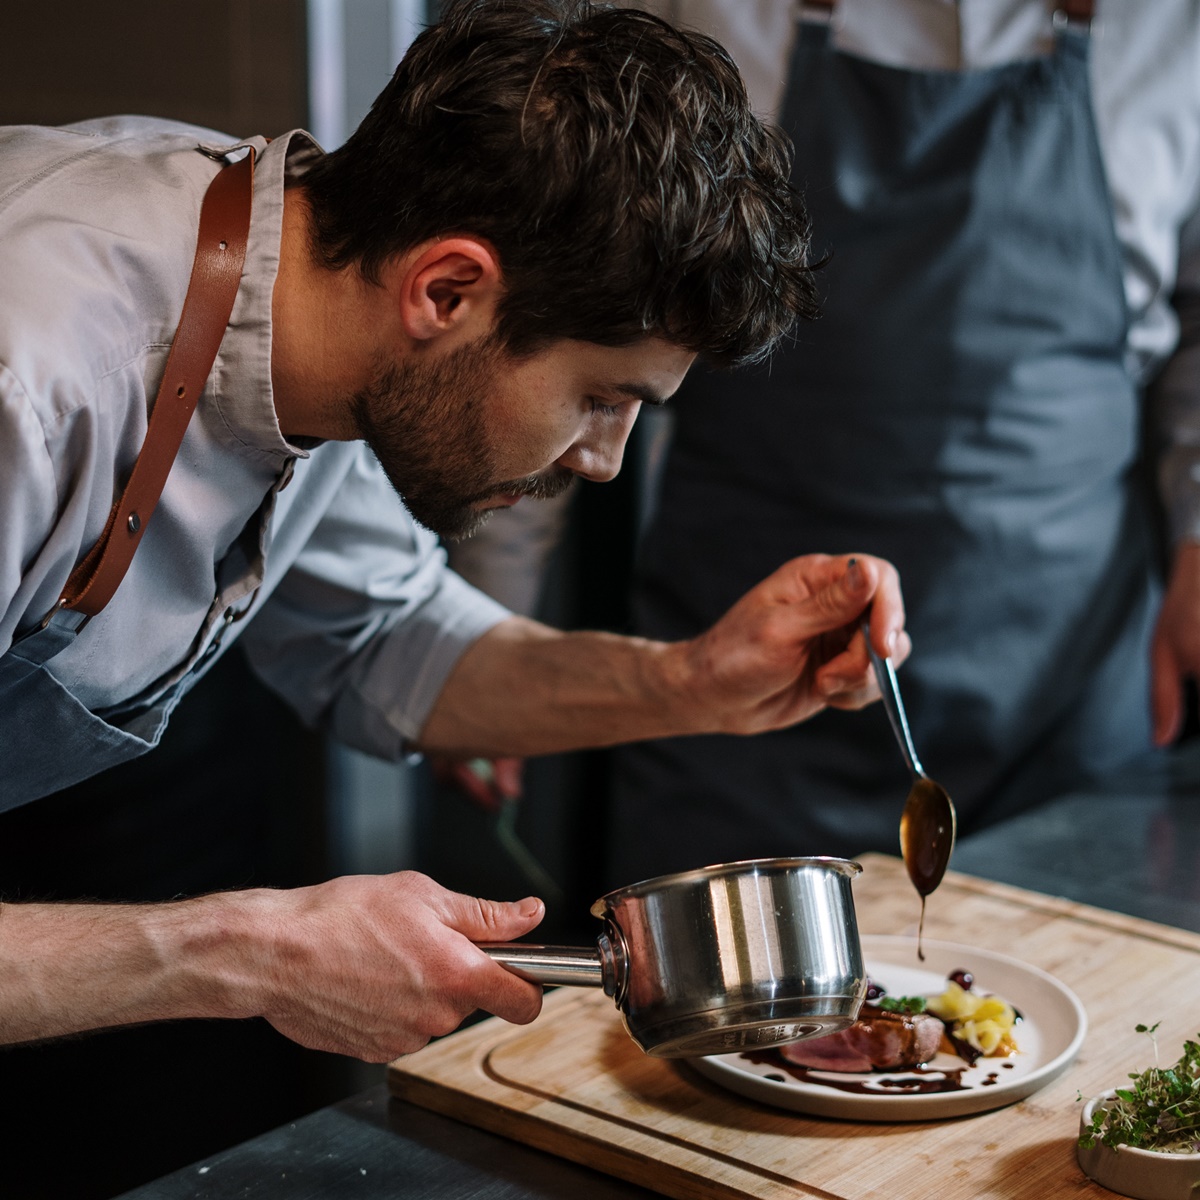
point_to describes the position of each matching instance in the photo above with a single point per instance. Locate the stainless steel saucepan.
(741, 955)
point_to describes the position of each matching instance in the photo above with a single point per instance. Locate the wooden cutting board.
(573, 1082)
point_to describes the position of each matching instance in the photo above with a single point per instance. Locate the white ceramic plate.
(1048, 1037)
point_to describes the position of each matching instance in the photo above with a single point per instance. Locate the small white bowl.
(1143, 1174)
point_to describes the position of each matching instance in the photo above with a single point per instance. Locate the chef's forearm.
(65, 968)
(526, 689)
(788, 648)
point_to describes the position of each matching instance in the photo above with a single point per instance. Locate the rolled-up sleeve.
(365, 626)
(33, 561)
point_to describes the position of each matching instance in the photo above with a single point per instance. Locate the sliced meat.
(879, 1040)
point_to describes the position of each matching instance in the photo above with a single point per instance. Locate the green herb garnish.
(1161, 1111)
(901, 1004)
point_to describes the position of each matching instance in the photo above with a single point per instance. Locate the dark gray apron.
(963, 409)
(57, 741)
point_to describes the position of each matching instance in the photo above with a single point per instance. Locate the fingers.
(838, 601)
(508, 996)
(887, 611)
(490, 920)
(1166, 691)
(864, 585)
(1175, 651)
(486, 782)
(508, 773)
(848, 681)
(859, 586)
(474, 778)
(376, 965)
(843, 589)
(497, 990)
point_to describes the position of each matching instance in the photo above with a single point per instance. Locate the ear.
(447, 286)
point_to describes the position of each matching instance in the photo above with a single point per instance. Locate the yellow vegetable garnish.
(984, 1022)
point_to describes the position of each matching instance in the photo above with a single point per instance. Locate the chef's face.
(475, 429)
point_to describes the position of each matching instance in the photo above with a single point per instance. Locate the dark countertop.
(1132, 845)
(371, 1147)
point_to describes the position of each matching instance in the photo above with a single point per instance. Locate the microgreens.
(901, 1004)
(1161, 1111)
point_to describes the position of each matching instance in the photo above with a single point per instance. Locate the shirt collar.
(242, 374)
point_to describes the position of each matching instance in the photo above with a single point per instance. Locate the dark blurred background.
(239, 794)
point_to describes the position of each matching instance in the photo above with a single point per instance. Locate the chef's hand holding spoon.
(792, 646)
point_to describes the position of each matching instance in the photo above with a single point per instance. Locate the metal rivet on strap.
(223, 245)
(134, 522)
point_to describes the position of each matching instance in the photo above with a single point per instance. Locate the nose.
(598, 453)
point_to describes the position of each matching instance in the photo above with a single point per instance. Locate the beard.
(426, 423)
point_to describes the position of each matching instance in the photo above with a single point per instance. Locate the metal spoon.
(928, 822)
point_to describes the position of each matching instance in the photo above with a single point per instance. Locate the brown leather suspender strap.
(216, 274)
(1077, 12)
(819, 10)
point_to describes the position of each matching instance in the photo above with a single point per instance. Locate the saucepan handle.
(574, 966)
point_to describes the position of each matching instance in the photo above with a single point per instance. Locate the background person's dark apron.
(963, 408)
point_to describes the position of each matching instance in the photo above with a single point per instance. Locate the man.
(547, 215)
(1010, 202)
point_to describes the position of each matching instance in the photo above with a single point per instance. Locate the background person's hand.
(374, 966)
(792, 645)
(1175, 651)
(488, 782)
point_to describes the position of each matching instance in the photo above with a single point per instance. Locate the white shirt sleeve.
(32, 565)
(366, 625)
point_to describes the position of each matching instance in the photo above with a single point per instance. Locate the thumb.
(839, 604)
(492, 920)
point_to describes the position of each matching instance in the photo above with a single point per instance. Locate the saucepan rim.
(747, 866)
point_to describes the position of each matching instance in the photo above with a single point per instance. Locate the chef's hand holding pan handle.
(374, 966)
(371, 966)
(793, 645)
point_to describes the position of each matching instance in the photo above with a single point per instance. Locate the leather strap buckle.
(72, 620)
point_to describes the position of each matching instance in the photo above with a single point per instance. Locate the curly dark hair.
(612, 160)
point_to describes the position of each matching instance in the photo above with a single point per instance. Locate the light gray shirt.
(349, 610)
(1145, 68)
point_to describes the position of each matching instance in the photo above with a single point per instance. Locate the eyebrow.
(638, 391)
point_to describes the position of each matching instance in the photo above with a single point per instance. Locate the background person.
(1010, 210)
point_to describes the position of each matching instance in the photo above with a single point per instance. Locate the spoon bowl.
(928, 823)
(927, 827)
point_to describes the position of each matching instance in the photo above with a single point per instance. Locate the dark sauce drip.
(922, 1080)
(926, 842)
(963, 1049)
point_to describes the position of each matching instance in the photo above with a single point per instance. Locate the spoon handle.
(888, 684)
